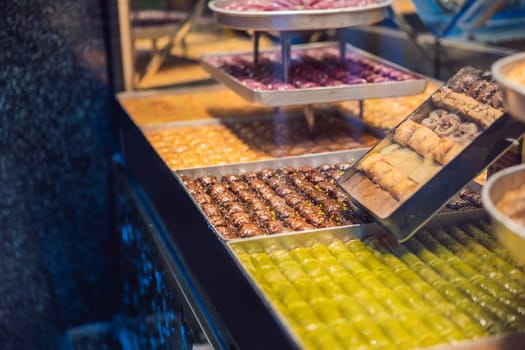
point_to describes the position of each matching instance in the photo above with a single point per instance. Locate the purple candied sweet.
(280, 86)
(302, 84)
(346, 77)
(310, 69)
(353, 80)
(331, 82)
(376, 78)
(253, 84)
(277, 5)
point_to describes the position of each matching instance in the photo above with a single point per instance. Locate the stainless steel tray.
(415, 210)
(239, 168)
(307, 239)
(296, 162)
(318, 94)
(513, 92)
(299, 19)
(272, 146)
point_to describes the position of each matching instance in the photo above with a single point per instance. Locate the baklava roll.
(467, 106)
(426, 142)
(385, 175)
(371, 194)
(404, 132)
(445, 150)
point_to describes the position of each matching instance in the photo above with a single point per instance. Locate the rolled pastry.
(425, 142)
(389, 178)
(465, 105)
(370, 194)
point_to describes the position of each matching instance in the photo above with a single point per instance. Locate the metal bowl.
(510, 233)
(513, 93)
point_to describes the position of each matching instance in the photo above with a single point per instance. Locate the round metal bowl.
(513, 93)
(510, 233)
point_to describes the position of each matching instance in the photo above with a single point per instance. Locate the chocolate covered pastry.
(290, 199)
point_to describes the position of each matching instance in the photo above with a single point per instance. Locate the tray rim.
(215, 5)
(348, 232)
(288, 20)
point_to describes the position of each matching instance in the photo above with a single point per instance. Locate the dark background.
(57, 250)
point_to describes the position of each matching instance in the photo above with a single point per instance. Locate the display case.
(260, 248)
(223, 290)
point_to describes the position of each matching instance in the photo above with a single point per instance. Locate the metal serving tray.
(307, 239)
(513, 92)
(299, 19)
(296, 162)
(413, 212)
(239, 168)
(356, 128)
(318, 94)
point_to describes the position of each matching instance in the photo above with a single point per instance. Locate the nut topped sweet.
(243, 141)
(284, 199)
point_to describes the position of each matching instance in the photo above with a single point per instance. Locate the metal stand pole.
(342, 44)
(285, 51)
(256, 37)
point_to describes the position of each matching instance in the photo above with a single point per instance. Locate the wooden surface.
(182, 66)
